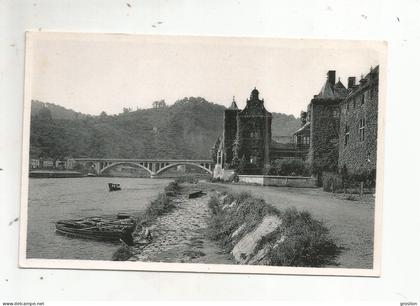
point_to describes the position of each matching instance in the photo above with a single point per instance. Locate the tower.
(229, 130)
(253, 135)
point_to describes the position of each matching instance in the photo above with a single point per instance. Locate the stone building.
(230, 124)
(247, 139)
(319, 134)
(358, 126)
(253, 135)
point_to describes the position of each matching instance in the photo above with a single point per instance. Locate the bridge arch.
(183, 163)
(125, 163)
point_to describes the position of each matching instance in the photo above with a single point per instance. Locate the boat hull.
(111, 231)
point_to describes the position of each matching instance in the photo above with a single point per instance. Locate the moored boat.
(114, 187)
(99, 228)
(196, 194)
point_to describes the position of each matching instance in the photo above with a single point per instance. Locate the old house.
(34, 164)
(358, 126)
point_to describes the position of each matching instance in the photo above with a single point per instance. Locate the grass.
(307, 241)
(162, 204)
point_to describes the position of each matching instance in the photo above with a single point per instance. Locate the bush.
(353, 180)
(172, 188)
(288, 167)
(158, 207)
(307, 244)
(331, 181)
(307, 241)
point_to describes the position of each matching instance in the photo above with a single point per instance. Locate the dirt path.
(180, 236)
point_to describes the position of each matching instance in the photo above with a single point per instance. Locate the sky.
(91, 73)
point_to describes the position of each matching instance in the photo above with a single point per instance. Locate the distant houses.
(49, 163)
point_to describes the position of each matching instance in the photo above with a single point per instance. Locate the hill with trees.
(187, 129)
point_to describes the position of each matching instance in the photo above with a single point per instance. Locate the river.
(63, 198)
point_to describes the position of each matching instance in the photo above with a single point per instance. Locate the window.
(346, 135)
(362, 126)
(362, 101)
(348, 106)
(253, 135)
(252, 160)
(354, 103)
(335, 113)
(371, 94)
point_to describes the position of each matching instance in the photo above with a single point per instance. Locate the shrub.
(158, 207)
(307, 241)
(172, 188)
(331, 181)
(214, 205)
(307, 244)
(287, 167)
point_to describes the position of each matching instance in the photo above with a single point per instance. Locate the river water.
(53, 199)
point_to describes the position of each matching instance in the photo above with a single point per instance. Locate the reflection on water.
(54, 199)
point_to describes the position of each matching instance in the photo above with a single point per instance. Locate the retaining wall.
(281, 181)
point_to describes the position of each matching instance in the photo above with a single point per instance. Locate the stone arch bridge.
(154, 167)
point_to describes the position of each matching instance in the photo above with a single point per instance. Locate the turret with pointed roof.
(229, 131)
(322, 126)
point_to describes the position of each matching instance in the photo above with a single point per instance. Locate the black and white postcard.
(203, 154)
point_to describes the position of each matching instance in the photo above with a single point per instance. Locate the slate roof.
(332, 92)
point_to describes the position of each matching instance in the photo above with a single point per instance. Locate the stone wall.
(360, 155)
(279, 181)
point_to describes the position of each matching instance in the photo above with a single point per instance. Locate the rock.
(237, 231)
(260, 257)
(244, 249)
(231, 205)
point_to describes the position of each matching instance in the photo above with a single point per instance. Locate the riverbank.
(350, 222)
(182, 235)
(54, 174)
(53, 199)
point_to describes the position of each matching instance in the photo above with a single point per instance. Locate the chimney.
(331, 77)
(351, 82)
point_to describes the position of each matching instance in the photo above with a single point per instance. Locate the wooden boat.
(99, 228)
(114, 187)
(196, 194)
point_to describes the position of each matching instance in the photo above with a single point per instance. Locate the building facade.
(359, 125)
(253, 135)
(339, 128)
(319, 134)
(247, 138)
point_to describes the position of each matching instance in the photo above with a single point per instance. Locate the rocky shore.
(180, 235)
